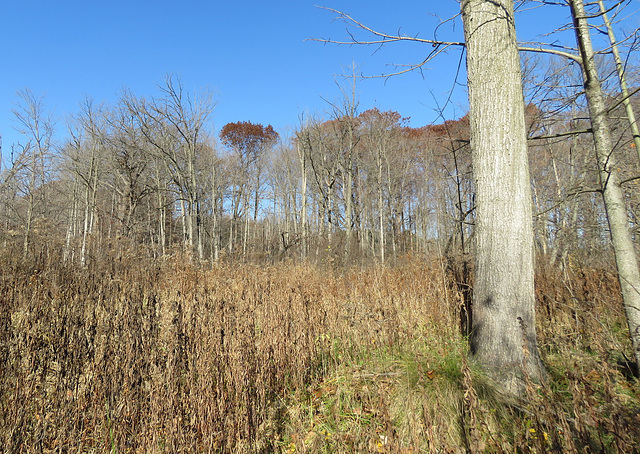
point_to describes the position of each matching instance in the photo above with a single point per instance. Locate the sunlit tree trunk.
(38, 130)
(303, 215)
(91, 189)
(626, 260)
(631, 116)
(245, 233)
(503, 336)
(162, 211)
(67, 253)
(381, 217)
(215, 235)
(28, 222)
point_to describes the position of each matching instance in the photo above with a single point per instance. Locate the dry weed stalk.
(132, 355)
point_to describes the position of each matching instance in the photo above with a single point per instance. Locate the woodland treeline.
(357, 185)
(452, 348)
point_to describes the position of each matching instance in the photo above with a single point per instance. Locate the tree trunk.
(380, 208)
(195, 219)
(71, 227)
(245, 234)
(631, 116)
(626, 261)
(183, 218)
(162, 222)
(28, 224)
(503, 339)
(215, 235)
(303, 216)
(348, 208)
(85, 228)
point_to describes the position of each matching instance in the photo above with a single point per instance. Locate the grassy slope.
(144, 357)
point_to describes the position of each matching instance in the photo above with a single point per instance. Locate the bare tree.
(380, 132)
(626, 260)
(174, 125)
(249, 142)
(318, 145)
(345, 125)
(35, 154)
(85, 153)
(301, 143)
(131, 164)
(620, 69)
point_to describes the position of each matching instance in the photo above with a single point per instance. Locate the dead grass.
(131, 355)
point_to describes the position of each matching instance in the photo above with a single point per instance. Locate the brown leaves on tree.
(247, 138)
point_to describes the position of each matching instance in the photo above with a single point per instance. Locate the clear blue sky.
(252, 54)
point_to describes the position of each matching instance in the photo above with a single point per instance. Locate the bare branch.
(575, 192)
(623, 99)
(546, 50)
(381, 37)
(629, 180)
(563, 134)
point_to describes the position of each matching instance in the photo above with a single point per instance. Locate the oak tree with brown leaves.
(248, 141)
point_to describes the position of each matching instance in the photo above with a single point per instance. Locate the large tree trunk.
(503, 336)
(626, 261)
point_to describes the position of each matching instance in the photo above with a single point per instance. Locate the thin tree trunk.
(183, 218)
(623, 83)
(215, 235)
(199, 228)
(245, 234)
(72, 220)
(380, 209)
(626, 261)
(162, 222)
(85, 229)
(330, 215)
(348, 215)
(28, 224)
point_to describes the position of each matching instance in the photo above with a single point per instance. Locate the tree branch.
(567, 197)
(384, 38)
(545, 50)
(381, 38)
(563, 134)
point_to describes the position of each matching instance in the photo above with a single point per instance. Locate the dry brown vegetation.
(131, 355)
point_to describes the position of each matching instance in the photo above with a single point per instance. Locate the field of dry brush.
(132, 355)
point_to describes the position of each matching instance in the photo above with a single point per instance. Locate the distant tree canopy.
(248, 138)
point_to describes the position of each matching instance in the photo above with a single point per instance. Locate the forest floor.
(133, 355)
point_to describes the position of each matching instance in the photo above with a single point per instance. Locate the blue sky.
(252, 54)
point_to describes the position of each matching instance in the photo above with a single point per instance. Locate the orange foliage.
(248, 137)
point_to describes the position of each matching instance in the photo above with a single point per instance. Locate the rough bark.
(503, 335)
